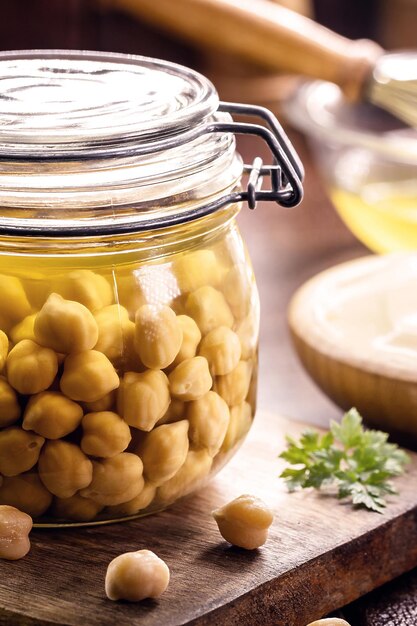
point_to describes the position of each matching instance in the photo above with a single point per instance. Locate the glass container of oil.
(368, 161)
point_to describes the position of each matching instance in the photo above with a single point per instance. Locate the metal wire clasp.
(286, 171)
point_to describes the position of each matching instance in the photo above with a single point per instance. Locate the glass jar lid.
(95, 143)
(71, 104)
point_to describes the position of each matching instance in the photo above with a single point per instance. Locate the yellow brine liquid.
(382, 215)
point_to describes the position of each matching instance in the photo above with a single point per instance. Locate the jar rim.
(66, 104)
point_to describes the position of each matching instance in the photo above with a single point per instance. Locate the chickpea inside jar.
(129, 315)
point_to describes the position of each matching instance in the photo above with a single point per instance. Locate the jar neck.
(108, 195)
(119, 248)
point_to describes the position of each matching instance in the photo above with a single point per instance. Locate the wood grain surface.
(320, 555)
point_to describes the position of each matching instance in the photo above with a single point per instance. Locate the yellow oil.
(382, 215)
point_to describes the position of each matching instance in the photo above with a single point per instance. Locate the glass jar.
(129, 313)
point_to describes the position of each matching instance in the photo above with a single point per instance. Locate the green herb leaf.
(357, 463)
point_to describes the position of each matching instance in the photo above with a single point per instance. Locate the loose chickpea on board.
(244, 522)
(135, 576)
(15, 527)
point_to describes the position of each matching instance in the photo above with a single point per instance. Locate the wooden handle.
(265, 33)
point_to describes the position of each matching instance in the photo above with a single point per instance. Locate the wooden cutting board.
(320, 555)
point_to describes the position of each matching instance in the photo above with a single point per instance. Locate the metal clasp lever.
(285, 172)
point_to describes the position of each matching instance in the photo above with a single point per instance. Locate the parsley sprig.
(355, 461)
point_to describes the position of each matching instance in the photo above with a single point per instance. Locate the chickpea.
(52, 415)
(209, 309)
(31, 368)
(158, 336)
(27, 493)
(115, 480)
(248, 333)
(111, 321)
(65, 326)
(4, 349)
(105, 434)
(88, 376)
(174, 412)
(14, 305)
(208, 417)
(76, 508)
(130, 361)
(197, 269)
(164, 451)
(106, 403)
(64, 469)
(239, 424)
(9, 405)
(141, 501)
(329, 621)
(129, 292)
(190, 379)
(237, 289)
(19, 450)
(195, 469)
(24, 329)
(143, 398)
(15, 527)
(86, 287)
(234, 387)
(36, 287)
(135, 576)
(244, 522)
(221, 348)
(191, 337)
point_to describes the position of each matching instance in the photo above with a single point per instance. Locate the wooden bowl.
(354, 328)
